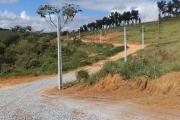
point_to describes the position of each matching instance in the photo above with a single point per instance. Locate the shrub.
(82, 74)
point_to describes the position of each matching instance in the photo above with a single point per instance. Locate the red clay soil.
(105, 38)
(162, 93)
(22, 79)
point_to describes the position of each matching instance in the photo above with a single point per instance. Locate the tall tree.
(104, 22)
(85, 27)
(169, 8)
(176, 5)
(135, 15)
(116, 17)
(162, 7)
(112, 19)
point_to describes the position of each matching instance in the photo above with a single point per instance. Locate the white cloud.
(8, 1)
(10, 19)
(23, 15)
(147, 8)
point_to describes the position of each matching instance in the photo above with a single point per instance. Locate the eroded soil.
(159, 98)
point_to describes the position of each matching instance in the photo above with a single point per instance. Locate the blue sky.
(23, 12)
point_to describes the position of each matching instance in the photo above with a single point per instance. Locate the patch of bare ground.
(158, 97)
(104, 38)
(22, 79)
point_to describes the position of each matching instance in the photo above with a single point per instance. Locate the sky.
(23, 12)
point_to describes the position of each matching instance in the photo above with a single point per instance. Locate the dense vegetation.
(34, 54)
(115, 19)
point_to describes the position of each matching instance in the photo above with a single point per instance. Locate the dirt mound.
(169, 83)
(162, 92)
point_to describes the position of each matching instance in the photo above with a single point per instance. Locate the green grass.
(80, 54)
(153, 62)
(169, 30)
(5, 34)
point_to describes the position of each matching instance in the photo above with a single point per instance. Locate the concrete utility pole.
(142, 37)
(158, 31)
(67, 36)
(79, 34)
(60, 85)
(125, 52)
(100, 36)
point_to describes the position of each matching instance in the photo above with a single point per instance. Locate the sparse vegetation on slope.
(153, 62)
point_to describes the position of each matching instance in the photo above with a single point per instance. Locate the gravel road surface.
(23, 102)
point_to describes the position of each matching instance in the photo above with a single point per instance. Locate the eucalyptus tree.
(176, 5)
(124, 17)
(65, 15)
(85, 27)
(128, 16)
(108, 22)
(162, 7)
(116, 17)
(120, 19)
(112, 19)
(93, 26)
(170, 8)
(89, 25)
(99, 24)
(135, 15)
(104, 22)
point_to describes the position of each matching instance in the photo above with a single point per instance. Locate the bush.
(82, 74)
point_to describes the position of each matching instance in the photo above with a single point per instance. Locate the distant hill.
(6, 33)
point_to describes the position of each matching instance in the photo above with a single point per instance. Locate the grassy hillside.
(5, 34)
(152, 62)
(169, 30)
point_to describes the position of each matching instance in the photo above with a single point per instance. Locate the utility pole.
(67, 36)
(100, 36)
(125, 52)
(79, 34)
(60, 85)
(142, 37)
(159, 27)
(158, 32)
